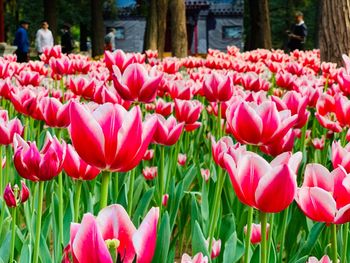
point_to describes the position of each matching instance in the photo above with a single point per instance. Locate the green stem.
(38, 222)
(78, 185)
(219, 130)
(161, 175)
(131, 191)
(345, 242)
(116, 187)
(13, 234)
(213, 215)
(1, 179)
(60, 207)
(263, 254)
(334, 243)
(269, 240)
(104, 189)
(284, 228)
(248, 234)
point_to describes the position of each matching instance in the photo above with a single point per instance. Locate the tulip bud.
(181, 159)
(205, 174)
(13, 196)
(150, 172)
(255, 237)
(149, 154)
(165, 200)
(216, 247)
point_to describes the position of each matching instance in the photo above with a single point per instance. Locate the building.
(210, 24)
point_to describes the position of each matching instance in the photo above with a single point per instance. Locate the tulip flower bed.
(239, 157)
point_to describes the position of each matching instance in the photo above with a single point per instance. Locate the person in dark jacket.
(22, 42)
(67, 40)
(297, 34)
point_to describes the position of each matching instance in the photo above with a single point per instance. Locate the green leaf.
(143, 206)
(163, 240)
(5, 247)
(234, 249)
(26, 254)
(44, 250)
(199, 241)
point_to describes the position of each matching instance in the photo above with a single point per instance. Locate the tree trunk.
(83, 37)
(97, 28)
(50, 15)
(178, 28)
(334, 31)
(259, 35)
(152, 27)
(162, 9)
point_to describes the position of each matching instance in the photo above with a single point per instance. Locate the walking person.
(110, 40)
(43, 38)
(297, 34)
(67, 40)
(22, 42)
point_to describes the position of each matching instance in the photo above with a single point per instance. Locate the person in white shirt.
(44, 37)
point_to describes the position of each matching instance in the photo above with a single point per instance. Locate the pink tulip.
(76, 168)
(251, 81)
(149, 154)
(269, 187)
(119, 59)
(324, 259)
(341, 156)
(14, 196)
(54, 113)
(255, 237)
(136, 83)
(5, 88)
(286, 144)
(82, 86)
(318, 143)
(198, 258)
(325, 196)
(259, 124)
(26, 78)
(216, 247)
(110, 138)
(8, 129)
(168, 130)
(223, 146)
(205, 173)
(217, 87)
(149, 173)
(181, 89)
(181, 159)
(188, 112)
(285, 80)
(38, 166)
(112, 229)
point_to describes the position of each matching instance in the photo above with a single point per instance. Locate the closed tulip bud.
(149, 154)
(198, 258)
(165, 199)
(216, 247)
(14, 196)
(205, 174)
(324, 259)
(255, 237)
(181, 159)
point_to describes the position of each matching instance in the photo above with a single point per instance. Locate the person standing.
(43, 38)
(67, 40)
(297, 34)
(110, 40)
(22, 42)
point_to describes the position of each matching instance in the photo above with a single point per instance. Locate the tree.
(97, 28)
(50, 15)
(162, 10)
(178, 28)
(259, 33)
(334, 31)
(152, 27)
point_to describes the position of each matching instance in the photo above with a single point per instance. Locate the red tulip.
(286, 144)
(149, 173)
(14, 196)
(149, 154)
(38, 166)
(165, 199)
(82, 86)
(112, 229)
(136, 83)
(119, 59)
(76, 168)
(325, 196)
(259, 124)
(164, 108)
(341, 156)
(181, 89)
(269, 187)
(26, 78)
(168, 130)
(285, 80)
(110, 138)
(188, 112)
(255, 237)
(217, 87)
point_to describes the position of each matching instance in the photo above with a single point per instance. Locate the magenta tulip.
(255, 237)
(198, 258)
(168, 130)
(54, 113)
(188, 111)
(269, 187)
(110, 138)
(149, 173)
(8, 129)
(217, 87)
(324, 259)
(14, 196)
(341, 156)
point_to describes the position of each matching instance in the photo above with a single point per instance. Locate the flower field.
(238, 157)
